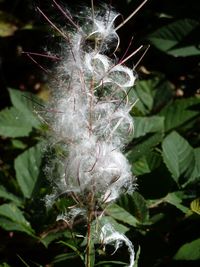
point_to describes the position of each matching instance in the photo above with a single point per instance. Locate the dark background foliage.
(162, 217)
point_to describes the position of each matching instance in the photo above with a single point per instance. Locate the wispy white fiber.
(110, 236)
(91, 124)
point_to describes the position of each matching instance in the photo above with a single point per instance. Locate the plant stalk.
(88, 249)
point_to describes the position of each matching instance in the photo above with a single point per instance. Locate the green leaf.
(73, 248)
(144, 147)
(146, 164)
(18, 144)
(26, 103)
(16, 221)
(144, 125)
(46, 240)
(196, 171)
(8, 24)
(63, 257)
(185, 51)
(121, 215)
(178, 155)
(9, 196)
(189, 251)
(27, 167)
(179, 112)
(13, 123)
(168, 37)
(136, 205)
(144, 92)
(195, 205)
(4, 264)
(91, 260)
(175, 200)
(8, 225)
(19, 120)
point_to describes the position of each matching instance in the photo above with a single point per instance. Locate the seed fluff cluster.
(90, 121)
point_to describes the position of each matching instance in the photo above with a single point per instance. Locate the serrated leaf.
(16, 219)
(168, 37)
(26, 103)
(179, 112)
(189, 251)
(144, 92)
(178, 155)
(9, 196)
(144, 125)
(13, 123)
(27, 167)
(136, 205)
(121, 215)
(146, 164)
(196, 171)
(144, 147)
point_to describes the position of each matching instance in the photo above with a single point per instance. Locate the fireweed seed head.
(91, 123)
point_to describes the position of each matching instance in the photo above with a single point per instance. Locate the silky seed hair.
(90, 122)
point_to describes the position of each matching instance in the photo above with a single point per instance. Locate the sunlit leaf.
(13, 123)
(27, 167)
(144, 125)
(26, 103)
(121, 215)
(195, 205)
(178, 155)
(18, 121)
(14, 219)
(8, 24)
